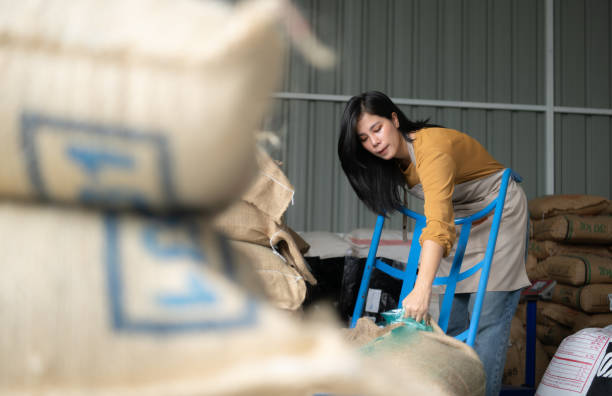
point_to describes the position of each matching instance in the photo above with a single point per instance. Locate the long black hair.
(376, 181)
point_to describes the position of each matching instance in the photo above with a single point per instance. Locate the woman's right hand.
(416, 303)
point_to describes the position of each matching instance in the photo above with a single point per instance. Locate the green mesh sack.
(401, 335)
(397, 316)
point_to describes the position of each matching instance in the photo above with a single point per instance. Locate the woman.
(383, 152)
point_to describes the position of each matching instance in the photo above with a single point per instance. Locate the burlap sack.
(284, 286)
(271, 192)
(566, 295)
(521, 314)
(103, 304)
(535, 270)
(553, 205)
(579, 269)
(559, 314)
(589, 298)
(575, 229)
(544, 249)
(244, 222)
(514, 370)
(607, 210)
(552, 335)
(302, 246)
(597, 320)
(257, 217)
(435, 363)
(541, 249)
(600, 250)
(595, 298)
(141, 103)
(550, 314)
(545, 320)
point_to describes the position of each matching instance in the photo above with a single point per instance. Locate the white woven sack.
(102, 304)
(140, 103)
(581, 366)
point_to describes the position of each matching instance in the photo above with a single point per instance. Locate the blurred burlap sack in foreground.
(146, 103)
(121, 304)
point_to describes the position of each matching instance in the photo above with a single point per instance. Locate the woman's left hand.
(416, 304)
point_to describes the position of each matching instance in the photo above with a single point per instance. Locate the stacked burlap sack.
(571, 243)
(256, 229)
(514, 370)
(125, 126)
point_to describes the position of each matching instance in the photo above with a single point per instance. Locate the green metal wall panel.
(584, 144)
(476, 50)
(583, 45)
(583, 79)
(598, 50)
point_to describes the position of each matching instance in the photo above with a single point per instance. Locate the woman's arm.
(416, 303)
(436, 169)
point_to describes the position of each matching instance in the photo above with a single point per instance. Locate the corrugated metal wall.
(459, 50)
(583, 47)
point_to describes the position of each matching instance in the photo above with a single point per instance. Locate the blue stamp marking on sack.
(196, 292)
(170, 242)
(98, 155)
(187, 247)
(92, 160)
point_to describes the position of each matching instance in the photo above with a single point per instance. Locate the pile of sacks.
(571, 244)
(256, 229)
(125, 128)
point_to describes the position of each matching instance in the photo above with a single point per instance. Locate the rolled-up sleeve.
(436, 171)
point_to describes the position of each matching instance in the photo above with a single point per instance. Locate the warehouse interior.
(530, 80)
(306, 197)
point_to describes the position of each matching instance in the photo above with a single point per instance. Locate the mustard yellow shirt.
(444, 158)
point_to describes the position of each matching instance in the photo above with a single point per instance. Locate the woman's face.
(380, 136)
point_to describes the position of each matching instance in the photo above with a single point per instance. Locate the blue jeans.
(491, 342)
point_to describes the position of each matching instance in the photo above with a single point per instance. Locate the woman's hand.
(416, 303)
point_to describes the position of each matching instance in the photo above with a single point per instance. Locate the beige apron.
(508, 267)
